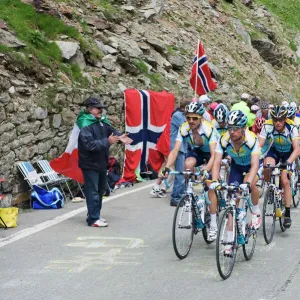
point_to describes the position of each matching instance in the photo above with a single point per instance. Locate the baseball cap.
(245, 96)
(285, 103)
(93, 102)
(204, 99)
(213, 105)
(254, 108)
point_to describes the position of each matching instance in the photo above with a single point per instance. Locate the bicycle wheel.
(183, 228)
(250, 237)
(225, 249)
(295, 193)
(269, 215)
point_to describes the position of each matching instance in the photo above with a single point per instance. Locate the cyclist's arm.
(212, 148)
(173, 154)
(296, 151)
(254, 167)
(261, 141)
(216, 165)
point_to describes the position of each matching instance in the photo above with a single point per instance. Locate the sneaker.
(255, 221)
(287, 222)
(212, 234)
(278, 212)
(99, 223)
(103, 220)
(228, 250)
(158, 193)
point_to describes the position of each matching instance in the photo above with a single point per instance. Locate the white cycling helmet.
(204, 99)
(285, 104)
(293, 104)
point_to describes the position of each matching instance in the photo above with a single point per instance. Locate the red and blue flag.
(201, 80)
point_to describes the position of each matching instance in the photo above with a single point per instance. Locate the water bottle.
(241, 225)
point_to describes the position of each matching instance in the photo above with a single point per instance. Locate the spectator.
(93, 145)
(206, 101)
(178, 118)
(243, 106)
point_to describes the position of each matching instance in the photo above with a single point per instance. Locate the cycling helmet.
(195, 108)
(291, 111)
(237, 118)
(264, 105)
(259, 122)
(279, 112)
(204, 99)
(293, 104)
(221, 113)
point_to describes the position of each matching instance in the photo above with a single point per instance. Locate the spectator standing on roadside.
(93, 149)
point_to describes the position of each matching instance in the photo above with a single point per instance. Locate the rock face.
(133, 44)
(9, 40)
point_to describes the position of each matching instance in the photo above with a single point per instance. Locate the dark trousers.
(94, 187)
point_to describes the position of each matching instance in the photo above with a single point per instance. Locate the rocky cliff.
(54, 54)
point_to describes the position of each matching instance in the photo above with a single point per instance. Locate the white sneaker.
(212, 234)
(158, 193)
(99, 223)
(255, 221)
(103, 220)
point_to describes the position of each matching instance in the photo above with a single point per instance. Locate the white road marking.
(39, 227)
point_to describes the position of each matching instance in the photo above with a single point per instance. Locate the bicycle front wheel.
(269, 215)
(183, 228)
(250, 237)
(226, 244)
(296, 195)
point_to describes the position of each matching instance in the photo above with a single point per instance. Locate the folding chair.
(46, 169)
(32, 177)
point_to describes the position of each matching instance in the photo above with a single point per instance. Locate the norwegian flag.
(146, 115)
(201, 80)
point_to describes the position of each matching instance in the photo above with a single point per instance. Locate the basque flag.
(146, 115)
(201, 80)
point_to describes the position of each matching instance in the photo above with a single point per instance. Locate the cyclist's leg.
(287, 196)
(272, 159)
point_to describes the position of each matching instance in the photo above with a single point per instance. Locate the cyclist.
(242, 146)
(202, 138)
(292, 114)
(221, 113)
(285, 147)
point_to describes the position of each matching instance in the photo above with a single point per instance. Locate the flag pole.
(196, 77)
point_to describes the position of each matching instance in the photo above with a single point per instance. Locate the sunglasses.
(278, 120)
(234, 129)
(193, 118)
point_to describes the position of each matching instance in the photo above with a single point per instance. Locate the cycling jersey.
(206, 131)
(220, 130)
(297, 122)
(282, 141)
(241, 157)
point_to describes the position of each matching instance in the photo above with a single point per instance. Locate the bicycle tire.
(220, 245)
(250, 237)
(296, 198)
(183, 253)
(269, 202)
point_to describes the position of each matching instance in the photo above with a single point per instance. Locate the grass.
(288, 11)
(293, 45)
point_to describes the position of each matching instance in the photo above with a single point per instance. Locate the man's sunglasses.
(193, 118)
(233, 129)
(278, 120)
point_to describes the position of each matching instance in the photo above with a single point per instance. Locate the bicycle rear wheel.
(269, 215)
(183, 228)
(250, 237)
(296, 195)
(207, 226)
(226, 249)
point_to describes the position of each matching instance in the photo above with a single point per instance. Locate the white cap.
(254, 108)
(204, 99)
(245, 96)
(293, 104)
(285, 103)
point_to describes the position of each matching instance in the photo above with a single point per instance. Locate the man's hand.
(113, 139)
(166, 172)
(125, 139)
(215, 185)
(246, 187)
(289, 166)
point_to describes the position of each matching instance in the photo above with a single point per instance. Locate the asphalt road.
(134, 259)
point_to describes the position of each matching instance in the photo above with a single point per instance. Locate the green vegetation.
(140, 64)
(288, 11)
(293, 46)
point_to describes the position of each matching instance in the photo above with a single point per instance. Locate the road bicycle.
(234, 229)
(191, 214)
(295, 184)
(273, 206)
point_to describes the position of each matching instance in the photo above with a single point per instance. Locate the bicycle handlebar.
(280, 165)
(187, 173)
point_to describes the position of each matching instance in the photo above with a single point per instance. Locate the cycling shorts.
(278, 155)
(200, 156)
(237, 173)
